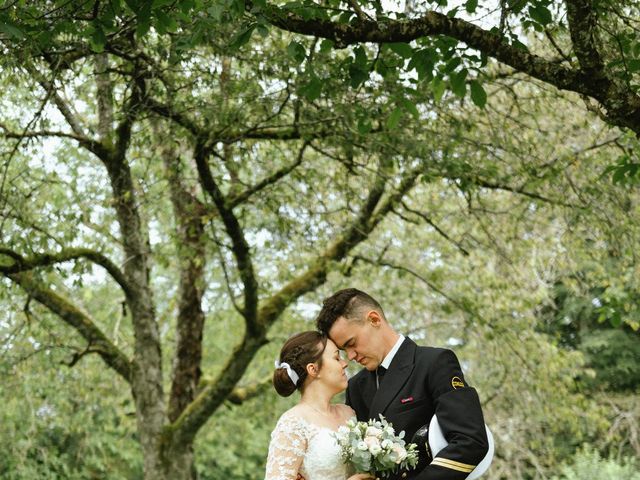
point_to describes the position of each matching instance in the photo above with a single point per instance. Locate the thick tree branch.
(226, 136)
(623, 103)
(77, 319)
(239, 395)
(22, 264)
(240, 247)
(213, 394)
(104, 89)
(582, 27)
(93, 146)
(189, 213)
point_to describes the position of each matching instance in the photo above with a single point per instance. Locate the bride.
(302, 444)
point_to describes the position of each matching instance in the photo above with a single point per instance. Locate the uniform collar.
(392, 353)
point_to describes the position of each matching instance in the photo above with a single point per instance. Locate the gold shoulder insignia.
(456, 382)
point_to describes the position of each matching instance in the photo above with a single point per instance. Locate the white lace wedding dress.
(299, 446)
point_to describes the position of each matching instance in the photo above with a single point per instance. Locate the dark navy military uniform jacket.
(421, 382)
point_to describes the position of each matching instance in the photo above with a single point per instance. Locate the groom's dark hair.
(347, 303)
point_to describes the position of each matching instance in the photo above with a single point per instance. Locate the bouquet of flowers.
(373, 447)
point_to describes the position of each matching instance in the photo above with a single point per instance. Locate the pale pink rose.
(373, 444)
(400, 451)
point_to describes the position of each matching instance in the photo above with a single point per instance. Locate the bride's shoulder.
(295, 415)
(346, 412)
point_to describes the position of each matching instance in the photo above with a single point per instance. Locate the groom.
(406, 383)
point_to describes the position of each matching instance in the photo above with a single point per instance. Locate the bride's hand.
(362, 476)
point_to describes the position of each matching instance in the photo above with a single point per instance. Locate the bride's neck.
(319, 398)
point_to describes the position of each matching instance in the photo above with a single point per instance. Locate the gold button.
(404, 475)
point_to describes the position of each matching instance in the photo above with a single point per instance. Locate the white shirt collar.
(392, 353)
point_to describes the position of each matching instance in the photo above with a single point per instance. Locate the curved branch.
(270, 180)
(92, 145)
(623, 102)
(240, 247)
(415, 274)
(213, 395)
(239, 395)
(76, 318)
(22, 264)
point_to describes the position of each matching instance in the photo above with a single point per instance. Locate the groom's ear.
(374, 318)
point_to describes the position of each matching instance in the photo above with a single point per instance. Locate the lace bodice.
(299, 446)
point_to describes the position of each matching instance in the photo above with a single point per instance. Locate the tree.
(243, 146)
(218, 184)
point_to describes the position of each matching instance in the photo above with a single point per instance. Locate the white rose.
(373, 432)
(387, 444)
(362, 445)
(343, 430)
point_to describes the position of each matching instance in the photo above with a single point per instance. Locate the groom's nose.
(351, 354)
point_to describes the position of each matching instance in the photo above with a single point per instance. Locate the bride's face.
(333, 367)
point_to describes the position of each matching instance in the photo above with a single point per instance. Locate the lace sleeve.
(287, 449)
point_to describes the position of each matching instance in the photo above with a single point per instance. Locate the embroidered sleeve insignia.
(456, 382)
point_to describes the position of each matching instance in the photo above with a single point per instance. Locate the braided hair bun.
(298, 351)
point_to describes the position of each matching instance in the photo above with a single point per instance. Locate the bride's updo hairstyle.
(297, 352)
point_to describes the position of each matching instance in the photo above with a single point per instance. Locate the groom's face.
(361, 340)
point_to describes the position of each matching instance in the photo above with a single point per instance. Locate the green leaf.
(633, 65)
(237, 8)
(615, 320)
(364, 126)
(423, 61)
(516, 6)
(471, 6)
(297, 51)
(458, 82)
(357, 75)
(540, 14)
(452, 64)
(394, 118)
(326, 46)
(242, 37)
(97, 39)
(312, 89)
(402, 49)
(361, 57)
(438, 86)
(165, 22)
(410, 107)
(478, 94)
(144, 19)
(10, 29)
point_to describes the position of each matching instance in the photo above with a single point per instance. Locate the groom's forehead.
(342, 333)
